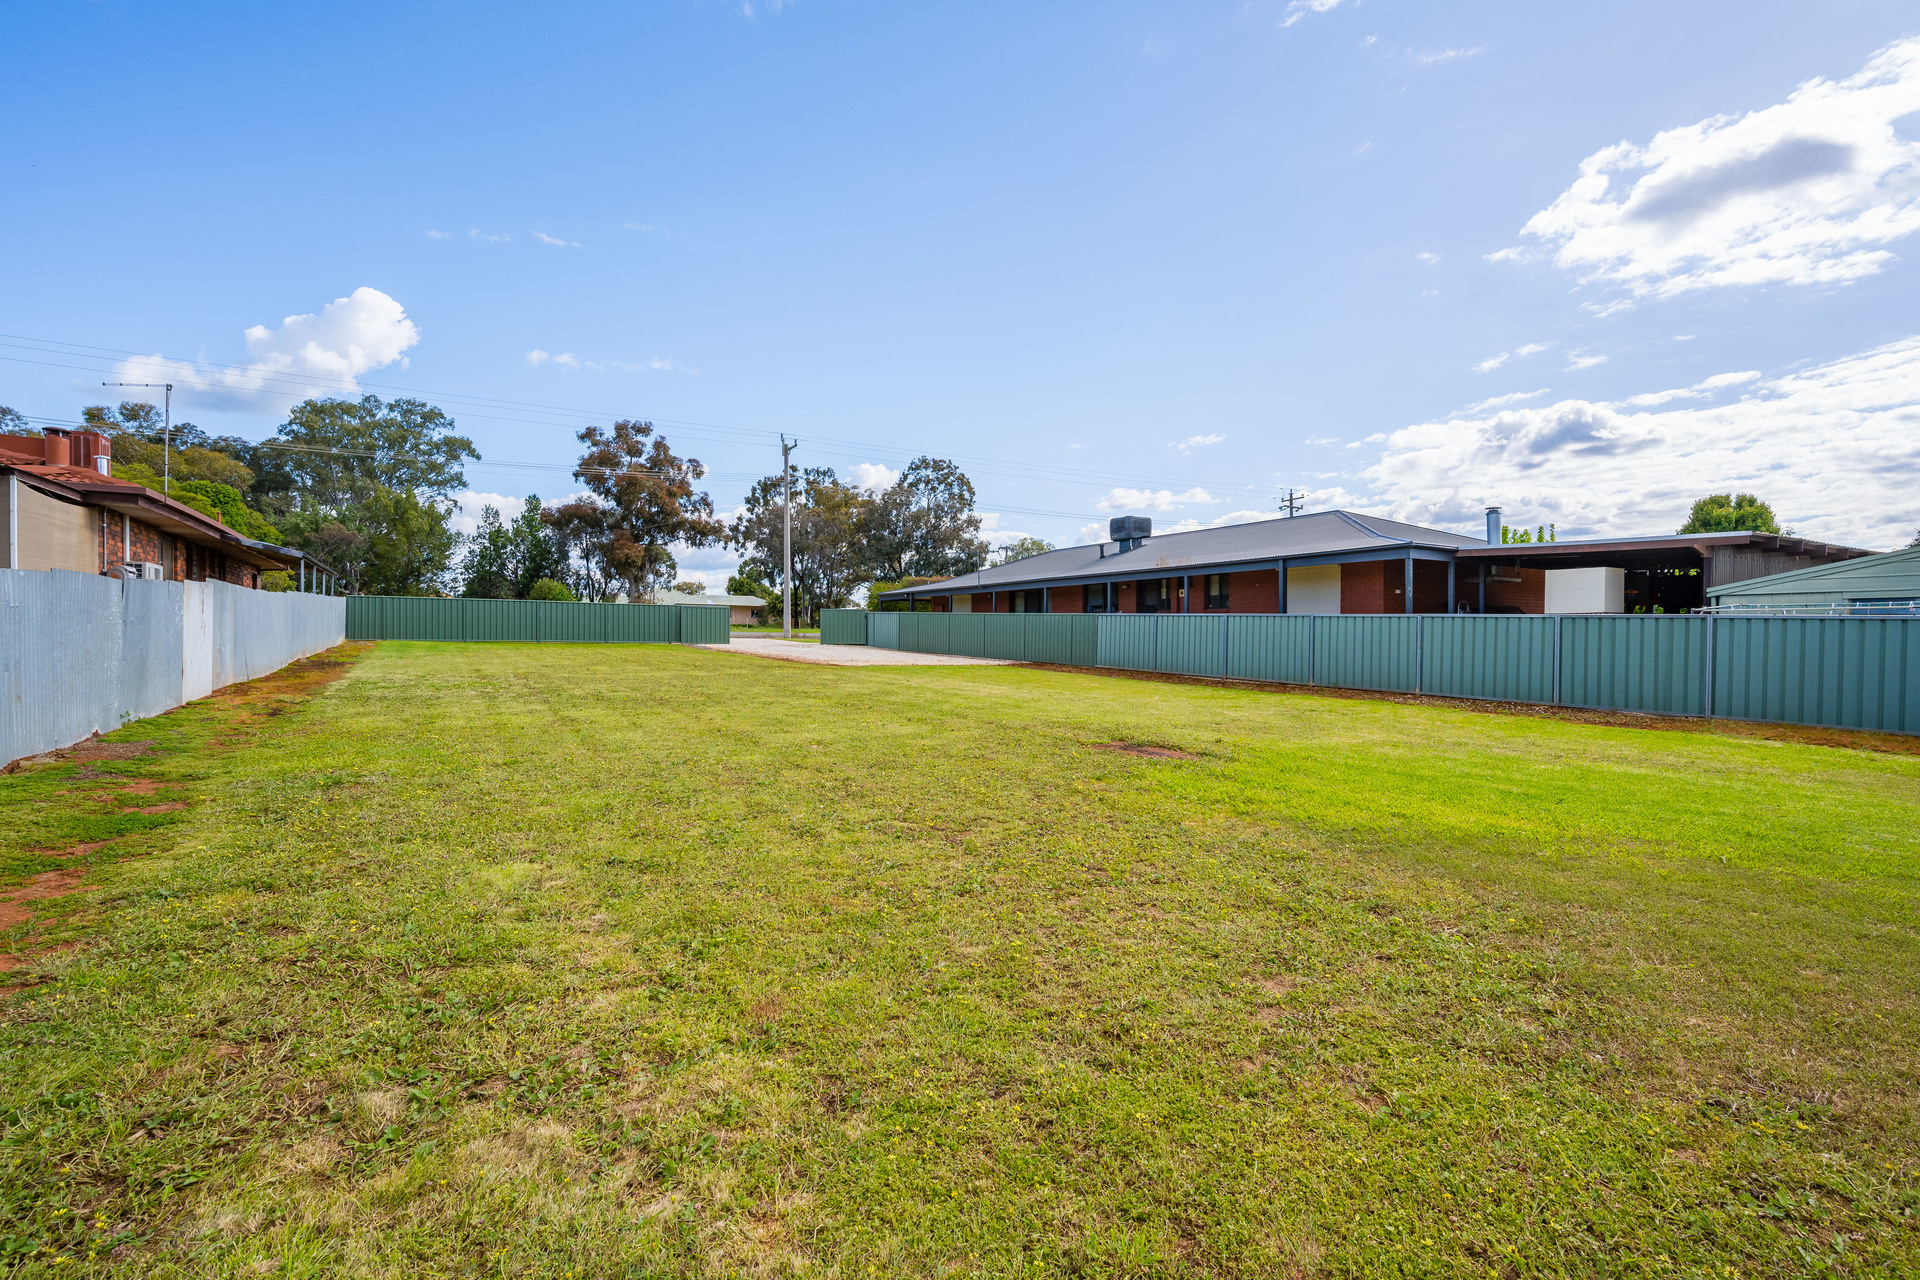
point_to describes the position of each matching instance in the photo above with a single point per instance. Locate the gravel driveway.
(846, 655)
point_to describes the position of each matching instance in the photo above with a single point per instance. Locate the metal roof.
(1890, 575)
(1317, 534)
(90, 488)
(1577, 553)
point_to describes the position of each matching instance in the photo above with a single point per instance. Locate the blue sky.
(1154, 257)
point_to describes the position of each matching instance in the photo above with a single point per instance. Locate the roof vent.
(1493, 526)
(1130, 531)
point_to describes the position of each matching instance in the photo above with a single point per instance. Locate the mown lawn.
(644, 961)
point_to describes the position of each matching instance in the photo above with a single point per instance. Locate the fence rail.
(1845, 672)
(532, 621)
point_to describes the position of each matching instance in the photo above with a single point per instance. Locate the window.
(1029, 602)
(1153, 595)
(1217, 590)
(1097, 601)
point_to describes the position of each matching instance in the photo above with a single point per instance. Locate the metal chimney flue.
(1493, 526)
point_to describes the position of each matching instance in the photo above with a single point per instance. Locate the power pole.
(1292, 503)
(166, 432)
(786, 510)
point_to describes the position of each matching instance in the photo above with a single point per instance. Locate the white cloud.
(308, 355)
(478, 234)
(1194, 442)
(1446, 55)
(1580, 360)
(438, 235)
(544, 238)
(1152, 499)
(1804, 192)
(467, 506)
(1494, 362)
(1500, 402)
(1834, 448)
(1299, 9)
(568, 360)
(873, 475)
(1431, 259)
(1698, 391)
(636, 226)
(1323, 440)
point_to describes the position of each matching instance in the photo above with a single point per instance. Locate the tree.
(640, 500)
(831, 555)
(505, 561)
(368, 489)
(12, 422)
(550, 589)
(923, 525)
(1545, 533)
(690, 588)
(748, 582)
(1021, 549)
(140, 440)
(1730, 513)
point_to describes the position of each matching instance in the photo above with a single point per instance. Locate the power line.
(864, 449)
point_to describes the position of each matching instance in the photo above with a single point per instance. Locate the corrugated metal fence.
(1856, 673)
(81, 653)
(532, 621)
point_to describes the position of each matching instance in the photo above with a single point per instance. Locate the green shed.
(1889, 579)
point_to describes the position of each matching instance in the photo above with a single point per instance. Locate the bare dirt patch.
(78, 850)
(168, 807)
(1147, 750)
(86, 752)
(14, 910)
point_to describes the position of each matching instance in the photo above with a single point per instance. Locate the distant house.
(60, 508)
(742, 611)
(1348, 562)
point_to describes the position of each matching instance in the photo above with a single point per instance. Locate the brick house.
(1351, 563)
(61, 509)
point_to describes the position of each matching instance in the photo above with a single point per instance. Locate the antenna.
(166, 430)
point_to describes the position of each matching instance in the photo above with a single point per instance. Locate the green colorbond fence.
(532, 621)
(843, 626)
(1856, 673)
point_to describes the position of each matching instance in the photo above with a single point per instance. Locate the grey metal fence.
(81, 653)
(1847, 672)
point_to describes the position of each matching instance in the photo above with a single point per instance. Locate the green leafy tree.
(1021, 549)
(504, 561)
(550, 589)
(369, 490)
(140, 440)
(640, 501)
(830, 554)
(924, 524)
(12, 422)
(690, 588)
(1730, 513)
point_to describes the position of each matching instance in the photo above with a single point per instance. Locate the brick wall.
(1364, 587)
(1529, 595)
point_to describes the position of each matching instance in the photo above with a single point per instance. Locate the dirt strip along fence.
(532, 621)
(82, 654)
(1851, 673)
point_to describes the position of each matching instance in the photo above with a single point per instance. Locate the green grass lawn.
(643, 961)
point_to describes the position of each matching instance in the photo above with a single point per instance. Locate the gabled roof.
(1889, 575)
(1316, 534)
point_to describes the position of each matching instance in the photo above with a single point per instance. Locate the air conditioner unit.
(150, 571)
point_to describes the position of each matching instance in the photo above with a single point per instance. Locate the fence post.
(1419, 650)
(1226, 634)
(1313, 633)
(1706, 691)
(1556, 659)
(1153, 643)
